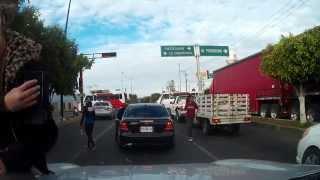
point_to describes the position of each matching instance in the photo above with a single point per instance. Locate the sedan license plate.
(146, 129)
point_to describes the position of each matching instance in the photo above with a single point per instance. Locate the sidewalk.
(68, 120)
(281, 124)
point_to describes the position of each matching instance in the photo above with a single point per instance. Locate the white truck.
(166, 99)
(177, 108)
(227, 110)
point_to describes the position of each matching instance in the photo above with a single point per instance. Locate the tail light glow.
(169, 126)
(123, 126)
(247, 119)
(216, 121)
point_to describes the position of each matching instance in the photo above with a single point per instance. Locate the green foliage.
(295, 59)
(150, 99)
(133, 98)
(59, 54)
(154, 97)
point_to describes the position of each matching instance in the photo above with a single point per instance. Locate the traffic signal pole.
(93, 57)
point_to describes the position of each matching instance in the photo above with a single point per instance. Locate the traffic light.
(109, 55)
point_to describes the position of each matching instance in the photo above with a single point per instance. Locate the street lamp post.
(65, 33)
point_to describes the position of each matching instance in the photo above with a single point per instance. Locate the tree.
(59, 54)
(154, 97)
(133, 98)
(296, 60)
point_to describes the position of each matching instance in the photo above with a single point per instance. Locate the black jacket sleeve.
(16, 158)
(2, 106)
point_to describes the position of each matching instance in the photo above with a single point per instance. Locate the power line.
(284, 16)
(274, 18)
(271, 17)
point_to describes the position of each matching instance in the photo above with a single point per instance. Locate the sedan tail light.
(169, 126)
(123, 126)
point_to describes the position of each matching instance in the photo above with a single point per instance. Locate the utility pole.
(197, 53)
(179, 78)
(186, 79)
(131, 89)
(122, 84)
(65, 33)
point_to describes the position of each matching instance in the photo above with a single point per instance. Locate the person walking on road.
(87, 122)
(191, 108)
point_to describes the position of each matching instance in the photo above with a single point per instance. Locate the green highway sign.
(214, 51)
(175, 51)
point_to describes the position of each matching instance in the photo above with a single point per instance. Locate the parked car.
(103, 109)
(309, 146)
(146, 123)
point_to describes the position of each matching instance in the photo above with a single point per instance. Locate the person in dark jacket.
(191, 108)
(87, 122)
(27, 129)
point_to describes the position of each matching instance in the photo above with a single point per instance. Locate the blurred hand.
(3, 170)
(22, 97)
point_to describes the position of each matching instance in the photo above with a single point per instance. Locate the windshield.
(146, 111)
(101, 104)
(103, 98)
(251, 69)
(182, 99)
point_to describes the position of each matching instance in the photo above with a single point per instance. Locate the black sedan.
(144, 124)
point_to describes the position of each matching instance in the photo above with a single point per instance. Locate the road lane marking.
(201, 148)
(97, 138)
(205, 151)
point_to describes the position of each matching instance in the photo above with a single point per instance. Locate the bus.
(116, 99)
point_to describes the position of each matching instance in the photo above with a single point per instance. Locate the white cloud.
(218, 22)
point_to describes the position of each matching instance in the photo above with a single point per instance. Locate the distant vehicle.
(267, 97)
(167, 99)
(222, 110)
(308, 151)
(177, 108)
(117, 100)
(103, 109)
(146, 123)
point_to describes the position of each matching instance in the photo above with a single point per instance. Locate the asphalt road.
(253, 142)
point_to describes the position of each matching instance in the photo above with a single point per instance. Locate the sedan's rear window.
(146, 111)
(101, 104)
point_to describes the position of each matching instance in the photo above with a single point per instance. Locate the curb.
(278, 126)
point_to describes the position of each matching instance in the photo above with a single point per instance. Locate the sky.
(136, 29)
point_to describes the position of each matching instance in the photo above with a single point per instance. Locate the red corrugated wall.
(245, 77)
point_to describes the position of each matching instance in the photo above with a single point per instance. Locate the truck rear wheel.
(206, 127)
(275, 109)
(313, 113)
(264, 110)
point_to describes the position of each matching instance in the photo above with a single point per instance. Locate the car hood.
(224, 169)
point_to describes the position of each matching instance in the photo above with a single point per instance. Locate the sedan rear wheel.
(312, 156)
